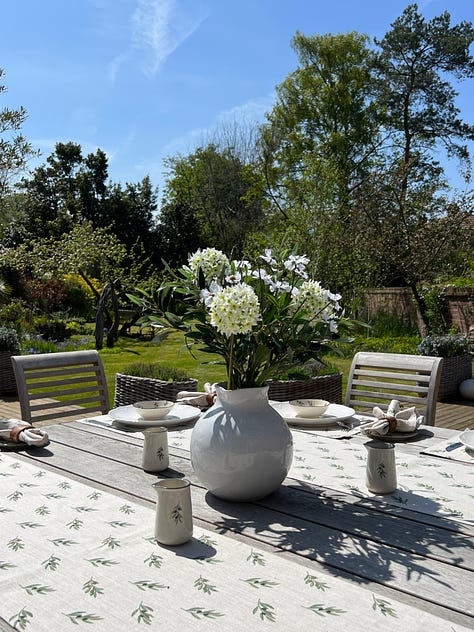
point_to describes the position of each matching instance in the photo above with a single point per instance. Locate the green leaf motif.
(94, 496)
(54, 496)
(4, 566)
(177, 513)
(28, 485)
(80, 615)
(16, 544)
(64, 485)
(20, 620)
(256, 558)
(154, 560)
(101, 561)
(39, 474)
(143, 613)
(313, 581)
(5, 510)
(199, 613)
(384, 607)
(43, 510)
(116, 524)
(84, 509)
(127, 509)
(265, 611)
(111, 542)
(205, 539)
(75, 524)
(15, 496)
(30, 525)
(207, 560)
(321, 609)
(62, 542)
(203, 584)
(144, 583)
(38, 589)
(51, 563)
(257, 582)
(91, 587)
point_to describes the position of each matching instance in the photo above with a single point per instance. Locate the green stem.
(230, 381)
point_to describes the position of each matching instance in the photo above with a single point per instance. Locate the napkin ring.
(15, 432)
(392, 424)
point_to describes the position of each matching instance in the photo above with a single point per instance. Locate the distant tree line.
(346, 169)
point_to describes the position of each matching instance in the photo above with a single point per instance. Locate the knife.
(453, 446)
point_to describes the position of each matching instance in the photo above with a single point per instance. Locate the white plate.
(393, 436)
(178, 415)
(333, 414)
(467, 438)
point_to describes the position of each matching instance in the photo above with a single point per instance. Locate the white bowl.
(154, 408)
(309, 408)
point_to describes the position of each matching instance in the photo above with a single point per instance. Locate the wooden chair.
(56, 385)
(377, 378)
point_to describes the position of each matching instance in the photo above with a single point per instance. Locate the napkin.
(19, 431)
(394, 420)
(199, 398)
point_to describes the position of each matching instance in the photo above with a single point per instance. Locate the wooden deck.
(456, 414)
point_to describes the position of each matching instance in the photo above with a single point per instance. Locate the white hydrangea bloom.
(235, 310)
(315, 301)
(211, 261)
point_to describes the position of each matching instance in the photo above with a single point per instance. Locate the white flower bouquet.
(261, 319)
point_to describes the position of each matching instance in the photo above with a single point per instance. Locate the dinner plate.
(333, 414)
(467, 438)
(178, 415)
(393, 436)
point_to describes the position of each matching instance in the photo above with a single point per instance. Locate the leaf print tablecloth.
(434, 486)
(72, 557)
(439, 487)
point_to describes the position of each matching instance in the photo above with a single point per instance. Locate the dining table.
(322, 552)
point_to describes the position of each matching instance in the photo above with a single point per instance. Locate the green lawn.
(173, 352)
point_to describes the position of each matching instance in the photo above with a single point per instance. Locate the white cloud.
(159, 28)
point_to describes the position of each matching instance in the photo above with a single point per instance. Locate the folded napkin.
(199, 399)
(19, 431)
(394, 420)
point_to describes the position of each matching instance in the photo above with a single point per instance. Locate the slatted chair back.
(58, 385)
(377, 378)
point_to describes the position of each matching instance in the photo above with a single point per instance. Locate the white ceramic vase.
(241, 448)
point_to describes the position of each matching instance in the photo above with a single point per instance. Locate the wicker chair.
(377, 378)
(56, 385)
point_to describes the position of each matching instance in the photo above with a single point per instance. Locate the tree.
(72, 188)
(15, 150)
(210, 187)
(414, 229)
(319, 145)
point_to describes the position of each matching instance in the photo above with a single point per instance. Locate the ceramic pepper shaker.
(155, 456)
(381, 473)
(174, 516)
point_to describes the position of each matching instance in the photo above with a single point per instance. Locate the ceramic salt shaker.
(174, 516)
(381, 473)
(155, 456)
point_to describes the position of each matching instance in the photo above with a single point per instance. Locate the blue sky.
(146, 79)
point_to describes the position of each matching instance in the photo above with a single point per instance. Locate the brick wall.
(400, 301)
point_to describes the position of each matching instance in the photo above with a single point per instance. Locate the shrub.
(446, 346)
(9, 340)
(155, 371)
